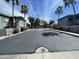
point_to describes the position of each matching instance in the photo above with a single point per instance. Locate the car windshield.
(39, 26)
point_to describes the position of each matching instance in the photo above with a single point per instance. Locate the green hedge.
(23, 29)
(15, 30)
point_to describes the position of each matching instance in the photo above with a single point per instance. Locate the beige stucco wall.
(3, 21)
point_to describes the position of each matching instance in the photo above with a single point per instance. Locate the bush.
(23, 29)
(15, 30)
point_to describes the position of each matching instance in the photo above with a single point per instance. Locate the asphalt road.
(29, 41)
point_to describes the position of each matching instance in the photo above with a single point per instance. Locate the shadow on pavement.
(46, 34)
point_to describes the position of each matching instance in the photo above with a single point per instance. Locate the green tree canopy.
(14, 2)
(31, 20)
(59, 11)
(70, 2)
(45, 24)
(37, 22)
(20, 18)
(24, 10)
(51, 22)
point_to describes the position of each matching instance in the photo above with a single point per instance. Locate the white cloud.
(31, 9)
(6, 8)
(50, 7)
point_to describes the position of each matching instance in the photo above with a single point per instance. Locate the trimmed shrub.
(15, 30)
(23, 29)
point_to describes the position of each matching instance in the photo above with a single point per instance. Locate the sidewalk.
(69, 33)
(3, 37)
(53, 55)
(39, 29)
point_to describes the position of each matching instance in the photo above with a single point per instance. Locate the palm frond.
(17, 2)
(24, 9)
(68, 2)
(59, 10)
(7, 1)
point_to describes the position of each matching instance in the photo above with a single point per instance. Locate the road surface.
(28, 42)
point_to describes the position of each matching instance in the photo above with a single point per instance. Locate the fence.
(6, 32)
(2, 32)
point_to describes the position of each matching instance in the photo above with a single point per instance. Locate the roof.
(77, 16)
(18, 17)
(10, 16)
(4, 15)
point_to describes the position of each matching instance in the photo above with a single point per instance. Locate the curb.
(69, 33)
(4, 37)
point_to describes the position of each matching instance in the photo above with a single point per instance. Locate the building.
(3, 21)
(20, 22)
(6, 24)
(69, 22)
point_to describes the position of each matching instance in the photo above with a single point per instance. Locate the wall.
(63, 22)
(21, 24)
(68, 23)
(9, 31)
(76, 21)
(3, 22)
(2, 32)
(74, 28)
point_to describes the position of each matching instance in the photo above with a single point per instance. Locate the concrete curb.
(59, 55)
(3, 37)
(69, 33)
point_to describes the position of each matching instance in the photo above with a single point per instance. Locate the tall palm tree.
(14, 2)
(59, 11)
(24, 10)
(70, 2)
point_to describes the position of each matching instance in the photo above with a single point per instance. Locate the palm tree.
(70, 2)
(14, 2)
(59, 11)
(24, 10)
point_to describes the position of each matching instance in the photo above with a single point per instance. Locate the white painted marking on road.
(41, 50)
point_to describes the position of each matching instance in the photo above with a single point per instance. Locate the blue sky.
(43, 9)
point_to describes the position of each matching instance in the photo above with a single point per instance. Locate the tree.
(59, 11)
(45, 24)
(20, 18)
(37, 22)
(70, 2)
(24, 10)
(31, 20)
(51, 22)
(14, 2)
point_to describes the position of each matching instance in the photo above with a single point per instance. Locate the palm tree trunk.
(24, 20)
(58, 16)
(74, 9)
(74, 14)
(13, 15)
